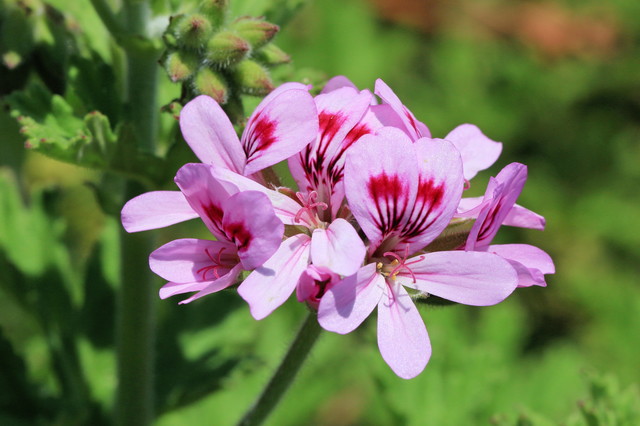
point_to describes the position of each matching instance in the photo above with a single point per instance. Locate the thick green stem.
(285, 373)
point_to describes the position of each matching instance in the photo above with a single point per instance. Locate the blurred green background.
(557, 82)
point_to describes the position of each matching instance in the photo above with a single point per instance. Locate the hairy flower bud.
(214, 10)
(193, 31)
(209, 82)
(252, 78)
(180, 65)
(225, 48)
(257, 32)
(272, 55)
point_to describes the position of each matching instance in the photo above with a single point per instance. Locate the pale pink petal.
(530, 262)
(270, 285)
(201, 287)
(414, 128)
(284, 123)
(381, 180)
(313, 283)
(524, 218)
(469, 207)
(284, 207)
(250, 223)
(500, 197)
(471, 278)
(402, 337)
(337, 82)
(217, 285)
(338, 248)
(156, 209)
(478, 151)
(210, 134)
(205, 194)
(347, 304)
(188, 259)
(440, 186)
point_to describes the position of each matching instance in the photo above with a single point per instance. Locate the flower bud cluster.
(215, 56)
(378, 220)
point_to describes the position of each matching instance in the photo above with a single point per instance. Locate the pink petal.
(249, 222)
(284, 207)
(338, 82)
(270, 285)
(313, 283)
(524, 218)
(402, 337)
(205, 194)
(217, 285)
(156, 209)
(440, 186)
(381, 176)
(414, 128)
(478, 151)
(188, 259)
(338, 248)
(210, 134)
(347, 304)
(469, 207)
(284, 123)
(530, 262)
(471, 278)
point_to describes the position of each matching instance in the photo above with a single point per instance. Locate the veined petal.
(249, 222)
(156, 209)
(187, 260)
(414, 128)
(347, 304)
(210, 134)
(270, 285)
(205, 194)
(284, 123)
(440, 185)
(478, 152)
(499, 198)
(402, 335)
(284, 207)
(338, 248)
(471, 278)
(524, 218)
(217, 285)
(530, 262)
(381, 183)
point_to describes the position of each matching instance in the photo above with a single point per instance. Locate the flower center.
(398, 264)
(217, 264)
(308, 204)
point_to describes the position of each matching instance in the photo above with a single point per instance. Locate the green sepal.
(210, 82)
(180, 65)
(272, 55)
(453, 237)
(253, 78)
(257, 32)
(226, 49)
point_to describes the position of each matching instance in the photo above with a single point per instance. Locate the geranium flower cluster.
(377, 220)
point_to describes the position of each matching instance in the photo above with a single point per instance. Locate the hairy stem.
(286, 372)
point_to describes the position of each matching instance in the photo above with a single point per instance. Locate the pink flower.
(244, 224)
(403, 194)
(498, 207)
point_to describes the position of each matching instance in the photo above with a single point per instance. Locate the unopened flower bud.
(257, 32)
(193, 31)
(253, 79)
(180, 65)
(226, 48)
(209, 82)
(272, 55)
(214, 10)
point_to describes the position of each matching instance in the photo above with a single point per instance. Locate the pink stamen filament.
(402, 263)
(307, 206)
(217, 261)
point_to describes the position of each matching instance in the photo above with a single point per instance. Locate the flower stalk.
(286, 372)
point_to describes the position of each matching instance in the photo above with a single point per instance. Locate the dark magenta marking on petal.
(390, 195)
(237, 233)
(329, 125)
(412, 119)
(262, 135)
(214, 214)
(428, 198)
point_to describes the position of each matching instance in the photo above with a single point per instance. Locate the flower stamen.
(308, 205)
(400, 263)
(217, 264)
